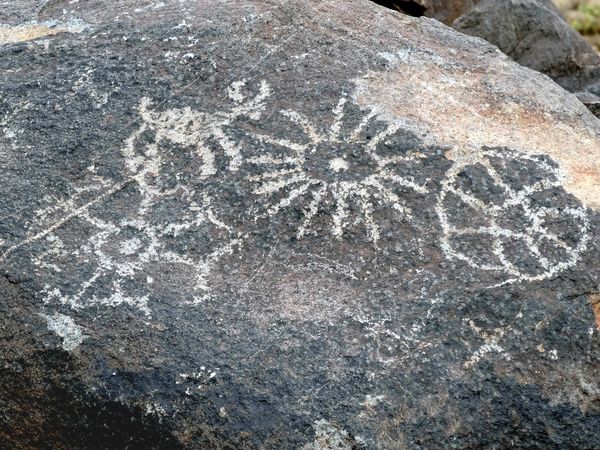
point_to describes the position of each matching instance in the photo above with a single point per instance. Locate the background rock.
(534, 34)
(590, 100)
(445, 11)
(280, 225)
(584, 16)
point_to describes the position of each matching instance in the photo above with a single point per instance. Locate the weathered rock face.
(534, 34)
(446, 11)
(590, 100)
(281, 225)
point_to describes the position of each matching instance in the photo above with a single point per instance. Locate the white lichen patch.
(196, 381)
(329, 437)
(64, 326)
(156, 409)
(372, 400)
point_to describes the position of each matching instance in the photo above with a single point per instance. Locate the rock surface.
(279, 225)
(534, 34)
(591, 101)
(447, 11)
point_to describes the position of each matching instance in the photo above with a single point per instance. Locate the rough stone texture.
(447, 11)
(534, 34)
(278, 225)
(591, 101)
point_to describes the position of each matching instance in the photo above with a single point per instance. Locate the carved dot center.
(338, 161)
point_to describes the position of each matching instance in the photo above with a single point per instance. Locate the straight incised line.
(116, 188)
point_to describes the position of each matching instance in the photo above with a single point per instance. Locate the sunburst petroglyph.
(341, 165)
(513, 224)
(344, 171)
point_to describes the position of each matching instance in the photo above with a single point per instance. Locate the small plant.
(587, 21)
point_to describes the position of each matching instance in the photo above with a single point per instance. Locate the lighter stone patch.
(67, 329)
(493, 102)
(329, 437)
(34, 30)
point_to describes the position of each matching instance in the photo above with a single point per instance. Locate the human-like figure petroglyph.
(187, 127)
(494, 219)
(166, 207)
(184, 127)
(131, 248)
(343, 165)
(348, 168)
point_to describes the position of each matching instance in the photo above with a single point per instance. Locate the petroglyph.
(162, 226)
(187, 127)
(150, 235)
(393, 343)
(497, 214)
(491, 345)
(346, 166)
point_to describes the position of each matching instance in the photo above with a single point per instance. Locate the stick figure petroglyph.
(121, 249)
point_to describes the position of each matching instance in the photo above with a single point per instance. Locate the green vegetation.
(587, 19)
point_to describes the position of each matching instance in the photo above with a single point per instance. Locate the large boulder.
(534, 33)
(297, 224)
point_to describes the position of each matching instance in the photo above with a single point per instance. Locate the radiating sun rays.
(340, 170)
